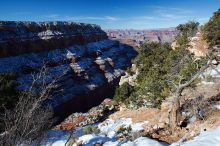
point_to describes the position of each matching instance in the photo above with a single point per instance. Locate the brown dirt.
(162, 131)
(158, 128)
(140, 115)
(205, 90)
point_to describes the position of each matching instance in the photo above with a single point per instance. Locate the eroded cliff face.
(90, 65)
(25, 37)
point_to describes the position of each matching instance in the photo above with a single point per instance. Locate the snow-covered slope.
(107, 136)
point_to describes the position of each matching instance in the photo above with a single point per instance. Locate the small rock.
(155, 127)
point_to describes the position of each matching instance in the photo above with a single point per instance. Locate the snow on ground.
(141, 141)
(107, 136)
(207, 138)
(207, 83)
(217, 106)
(110, 127)
(92, 139)
(212, 71)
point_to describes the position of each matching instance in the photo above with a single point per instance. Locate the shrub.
(160, 68)
(211, 30)
(186, 30)
(124, 132)
(123, 93)
(123, 129)
(91, 129)
(209, 78)
(8, 93)
(29, 119)
(8, 89)
(72, 140)
(189, 29)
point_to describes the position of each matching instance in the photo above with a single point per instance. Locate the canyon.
(137, 37)
(87, 64)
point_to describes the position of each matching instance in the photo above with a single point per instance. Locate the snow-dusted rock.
(214, 71)
(130, 79)
(87, 77)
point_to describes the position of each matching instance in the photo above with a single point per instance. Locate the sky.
(111, 14)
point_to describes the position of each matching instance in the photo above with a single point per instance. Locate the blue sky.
(122, 14)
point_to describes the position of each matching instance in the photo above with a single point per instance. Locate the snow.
(141, 141)
(206, 138)
(110, 143)
(58, 143)
(92, 139)
(217, 106)
(207, 83)
(138, 126)
(144, 141)
(107, 136)
(110, 127)
(36, 60)
(213, 71)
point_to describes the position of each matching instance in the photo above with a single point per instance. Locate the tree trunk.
(175, 113)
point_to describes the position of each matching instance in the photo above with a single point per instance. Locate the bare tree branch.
(29, 120)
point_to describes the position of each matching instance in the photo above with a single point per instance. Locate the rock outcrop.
(197, 45)
(90, 64)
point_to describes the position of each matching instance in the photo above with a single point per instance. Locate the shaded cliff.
(90, 67)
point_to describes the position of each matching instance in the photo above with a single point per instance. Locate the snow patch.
(92, 139)
(207, 138)
(217, 106)
(110, 127)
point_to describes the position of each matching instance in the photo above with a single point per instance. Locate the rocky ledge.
(88, 69)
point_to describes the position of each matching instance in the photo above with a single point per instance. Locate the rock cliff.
(25, 37)
(90, 64)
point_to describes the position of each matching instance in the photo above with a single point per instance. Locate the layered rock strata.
(88, 69)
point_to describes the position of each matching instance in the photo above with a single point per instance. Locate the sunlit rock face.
(90, 68)
(25, 37)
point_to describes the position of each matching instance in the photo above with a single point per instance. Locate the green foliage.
(211, 30)
(189, 29)
(160, 69)
(209, 78)
(91, 129)
(8, 91)
(123, 93)
(124, 130)
(186, 30)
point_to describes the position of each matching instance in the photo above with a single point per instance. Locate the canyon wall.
(88, 64)
(25, 37)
